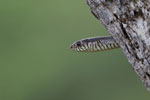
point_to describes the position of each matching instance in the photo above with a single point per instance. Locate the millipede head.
(78, 46)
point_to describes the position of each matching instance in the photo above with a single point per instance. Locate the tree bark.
(128, 21)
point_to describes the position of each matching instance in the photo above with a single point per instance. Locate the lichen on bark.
(128, 21)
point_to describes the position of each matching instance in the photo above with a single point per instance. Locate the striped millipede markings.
(108, 46)
(98, 43)
(80, 49)
(84, 46)
(103, 44)
(95, 47)
(98, 46)
(111, 44)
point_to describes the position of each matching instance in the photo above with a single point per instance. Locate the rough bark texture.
(128, 21)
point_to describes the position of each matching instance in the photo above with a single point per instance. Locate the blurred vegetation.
(37, 64)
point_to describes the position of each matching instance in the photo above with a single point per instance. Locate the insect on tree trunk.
(128, 21)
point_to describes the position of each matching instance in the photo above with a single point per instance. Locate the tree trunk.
(128, 21)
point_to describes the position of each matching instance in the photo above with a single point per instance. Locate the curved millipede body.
(95, 44)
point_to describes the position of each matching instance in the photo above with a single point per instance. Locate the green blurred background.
(37, 64)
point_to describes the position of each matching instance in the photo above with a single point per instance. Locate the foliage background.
(37, 64)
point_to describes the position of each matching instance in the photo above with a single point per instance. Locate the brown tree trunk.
(128, 21)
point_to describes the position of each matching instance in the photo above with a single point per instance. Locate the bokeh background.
(37, 64)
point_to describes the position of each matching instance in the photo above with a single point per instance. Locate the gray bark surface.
(128, 21)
